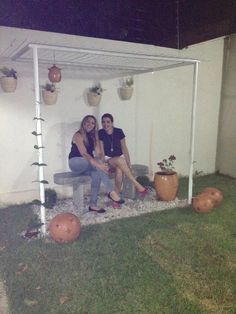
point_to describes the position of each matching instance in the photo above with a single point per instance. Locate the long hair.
(93, 133)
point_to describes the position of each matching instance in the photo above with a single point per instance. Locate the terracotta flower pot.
(93, 98)
(49, 98)
(125, 93)
(203, 203)
(8, 84)
(166, 185)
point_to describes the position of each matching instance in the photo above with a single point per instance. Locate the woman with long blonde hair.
(82, 160)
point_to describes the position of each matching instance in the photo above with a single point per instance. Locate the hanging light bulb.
(54, 74)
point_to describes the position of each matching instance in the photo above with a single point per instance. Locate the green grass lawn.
(175, 261)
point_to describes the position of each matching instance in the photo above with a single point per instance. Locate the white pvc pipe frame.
(39, 139)
(35, 48)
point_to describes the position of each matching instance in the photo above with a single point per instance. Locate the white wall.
(156, 121)
(227, 128)
(164, 104)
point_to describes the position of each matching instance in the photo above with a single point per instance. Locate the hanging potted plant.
(49, 93)
(166, 181)
(126, 90)
(94, 95)
(9, 80)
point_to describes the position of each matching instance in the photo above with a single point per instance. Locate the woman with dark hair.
(82, 161)
(116, 153)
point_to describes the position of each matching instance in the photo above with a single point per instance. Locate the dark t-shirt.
(76, 153)
(111, 142)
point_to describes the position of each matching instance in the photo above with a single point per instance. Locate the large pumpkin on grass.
(215, 194)
(203, 203)
(64, 228)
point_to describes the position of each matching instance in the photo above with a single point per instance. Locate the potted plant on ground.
(94, 94)
(50, 198)
(166, 181)
(49, 93)
(9, 80)
(126, 90)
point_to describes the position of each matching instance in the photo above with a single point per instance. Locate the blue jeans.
(81, 166)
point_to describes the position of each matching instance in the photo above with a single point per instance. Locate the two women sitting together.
(111, 152)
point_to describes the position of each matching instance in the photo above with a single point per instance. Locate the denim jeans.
(81, 166)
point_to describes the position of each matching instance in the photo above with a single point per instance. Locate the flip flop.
(121, 201)
(99, 211)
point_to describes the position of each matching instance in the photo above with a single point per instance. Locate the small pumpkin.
(203, 203)
(64, 228)
(215, 194)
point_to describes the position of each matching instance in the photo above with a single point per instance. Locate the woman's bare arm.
(99, 150)
(102, 151)
(78, 140)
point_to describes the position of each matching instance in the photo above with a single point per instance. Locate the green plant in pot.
(126, 90)
(49, 93)
(50, 198)
(94, 94)
(96, 89)
(128, 82)
(50, 87)
(166, 181)
(9, 79)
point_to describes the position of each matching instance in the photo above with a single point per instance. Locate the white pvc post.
(192, 134)
(39, 138)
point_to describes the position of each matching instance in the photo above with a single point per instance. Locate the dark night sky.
(149, 22)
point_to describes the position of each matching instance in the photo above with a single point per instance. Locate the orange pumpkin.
(203, 203)
(215, 194)
(64, 228)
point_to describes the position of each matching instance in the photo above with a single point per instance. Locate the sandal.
(99, 211)
(121, 201)
(144, 193)
(115, 205)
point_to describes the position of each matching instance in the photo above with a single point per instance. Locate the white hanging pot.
(8, 84)
(49, 98)
(93, 98)
(125, 93)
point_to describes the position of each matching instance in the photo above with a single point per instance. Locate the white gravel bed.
(131, 208)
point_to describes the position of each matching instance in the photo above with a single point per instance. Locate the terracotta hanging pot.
(49, 97)
(166, 185)
(54, 74)
(125, 93)
(8, 84)
(93, 98)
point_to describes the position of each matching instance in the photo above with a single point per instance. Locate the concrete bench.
(78, 182)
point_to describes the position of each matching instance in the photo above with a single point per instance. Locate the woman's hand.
(104, 167)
